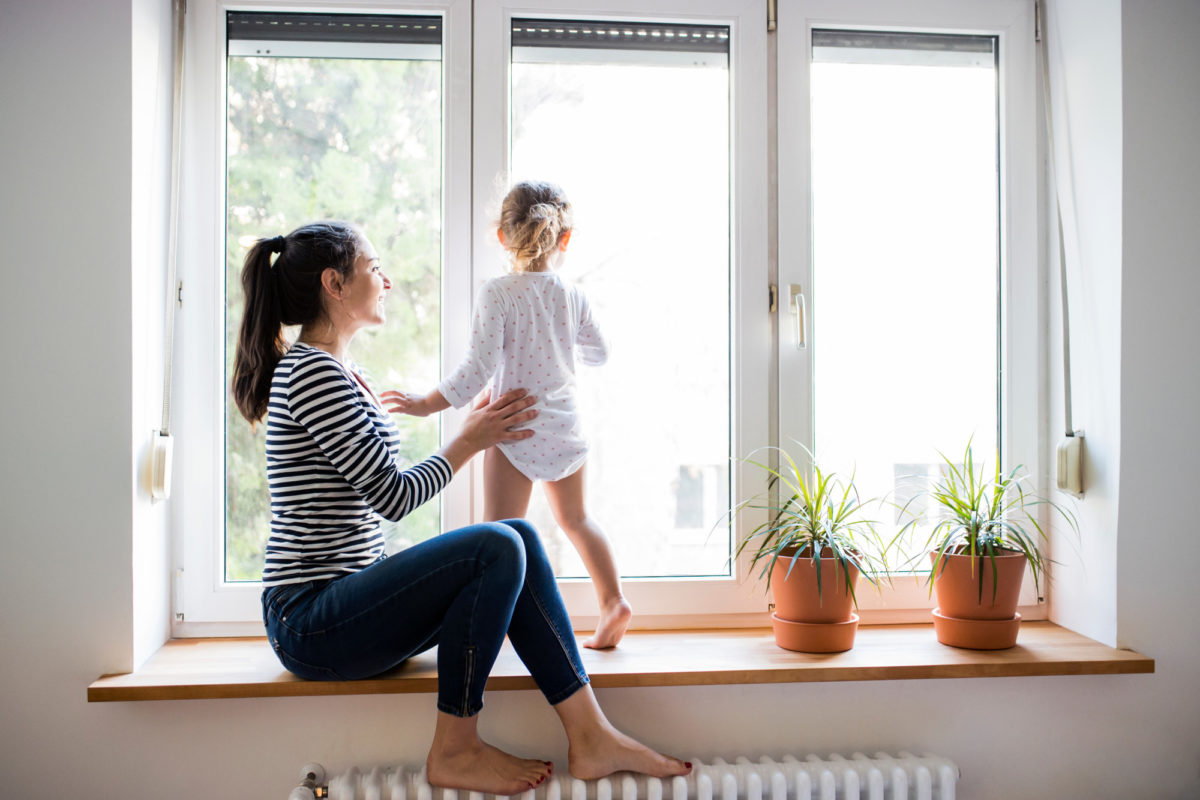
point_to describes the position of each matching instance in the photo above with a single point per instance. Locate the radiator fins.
(859, 777)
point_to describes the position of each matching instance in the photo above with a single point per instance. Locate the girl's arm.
(593, 347)
(415, 405)
(487, 339)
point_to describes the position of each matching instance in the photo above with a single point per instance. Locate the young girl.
(530, 327)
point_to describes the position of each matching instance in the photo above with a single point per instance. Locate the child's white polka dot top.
(529, 329)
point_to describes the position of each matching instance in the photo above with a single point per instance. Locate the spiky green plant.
(816, 513)
(985, 517)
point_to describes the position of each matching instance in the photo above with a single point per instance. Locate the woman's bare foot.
(459, 759)
(485, 769)
(614, 619)
(607, 750)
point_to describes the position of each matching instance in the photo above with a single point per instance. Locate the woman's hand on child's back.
(490, 422)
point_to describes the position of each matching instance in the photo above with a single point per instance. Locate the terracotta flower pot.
(808, 620)
(957, 585)
(964, 617)
(797, 597)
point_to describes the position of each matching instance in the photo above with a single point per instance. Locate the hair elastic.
(276, 244)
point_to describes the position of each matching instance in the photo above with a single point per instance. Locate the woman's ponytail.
(286, 292)
(260, 343)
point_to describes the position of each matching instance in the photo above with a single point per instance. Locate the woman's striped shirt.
(331, 468)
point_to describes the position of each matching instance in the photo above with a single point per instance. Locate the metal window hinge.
(771, 19)
(1037, 22)
(179, 293)
(773, 298)
(179, 595)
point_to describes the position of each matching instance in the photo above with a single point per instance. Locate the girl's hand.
(399, 402)
(491, 422)
(415, 405)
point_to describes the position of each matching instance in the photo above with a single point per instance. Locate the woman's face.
(363, 297)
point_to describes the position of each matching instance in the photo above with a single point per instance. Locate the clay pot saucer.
(976, 634)
(815, 637)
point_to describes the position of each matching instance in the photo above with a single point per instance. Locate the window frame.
(475, 149)
(204, 604)
(674, 602)
(1022, 320)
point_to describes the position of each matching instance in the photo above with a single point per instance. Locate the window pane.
(639, 140)
(357, 139)
(905, 256)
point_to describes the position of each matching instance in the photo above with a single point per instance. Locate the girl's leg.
(541, 634)
(505, 489)
(566, 501)
(457, 591)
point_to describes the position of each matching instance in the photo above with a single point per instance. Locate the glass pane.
(352, 139)
(905, 298)
(642, 150)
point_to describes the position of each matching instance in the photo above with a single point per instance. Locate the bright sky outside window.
(632, 120)
(336, 116)
(906, 255)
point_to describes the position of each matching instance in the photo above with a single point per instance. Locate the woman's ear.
(500, 236)
(331, 282)
(564, 240)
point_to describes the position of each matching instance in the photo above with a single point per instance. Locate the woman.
(334, 606)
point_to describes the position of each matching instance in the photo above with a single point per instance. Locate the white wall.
(71, 512)
(151, 45)
(1084, 45)
(1160, 326)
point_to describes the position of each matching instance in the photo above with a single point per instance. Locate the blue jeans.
(462, 591)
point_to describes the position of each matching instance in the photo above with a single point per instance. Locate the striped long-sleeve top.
(332, 471)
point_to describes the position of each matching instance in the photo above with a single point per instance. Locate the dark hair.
(533, 216)
(286, 292)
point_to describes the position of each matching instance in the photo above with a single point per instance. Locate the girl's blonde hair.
(533, 218)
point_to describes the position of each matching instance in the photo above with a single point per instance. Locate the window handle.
(796, 304)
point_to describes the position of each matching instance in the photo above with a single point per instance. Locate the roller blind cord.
(173, 298)
(163, 445)
(1062, 252)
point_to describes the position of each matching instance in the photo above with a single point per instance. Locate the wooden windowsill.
(187, 669)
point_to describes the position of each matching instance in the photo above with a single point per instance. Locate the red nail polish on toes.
(687, 764)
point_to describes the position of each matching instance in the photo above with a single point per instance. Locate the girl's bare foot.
(483, 768)
(614, 619)
(606, 750)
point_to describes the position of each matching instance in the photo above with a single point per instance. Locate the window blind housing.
(609, 41)
(333, 35)
(898, 47)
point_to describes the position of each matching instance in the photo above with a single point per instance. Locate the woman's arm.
(324, 400)
(488, 423)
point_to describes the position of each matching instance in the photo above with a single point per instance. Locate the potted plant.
(979, 545)
(815, 544)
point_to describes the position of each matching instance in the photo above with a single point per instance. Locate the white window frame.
(672, 602)
(1022, 326)
(205, 605)
(475, 150)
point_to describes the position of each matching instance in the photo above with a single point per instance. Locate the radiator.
(859, 777)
